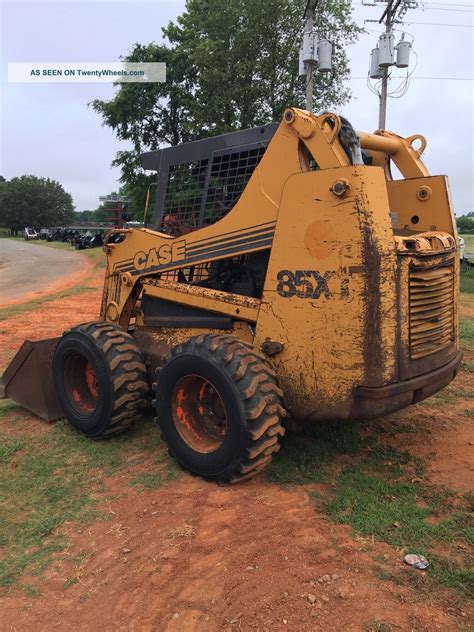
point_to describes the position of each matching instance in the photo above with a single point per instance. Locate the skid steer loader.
(286, 274)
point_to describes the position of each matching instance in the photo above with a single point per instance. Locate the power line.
(439, 24)
(429, 78)
(451, 4)
(446, 9)
(447, 4)
(467, 26)
(440, 6)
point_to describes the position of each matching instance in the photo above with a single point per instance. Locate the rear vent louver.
(431, 310)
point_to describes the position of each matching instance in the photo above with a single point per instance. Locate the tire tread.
(259, 393)
(128, 374)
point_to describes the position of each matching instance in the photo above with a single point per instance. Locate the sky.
(50, 130)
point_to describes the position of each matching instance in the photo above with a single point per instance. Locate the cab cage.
(199, 182)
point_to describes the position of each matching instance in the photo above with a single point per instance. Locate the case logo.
(165, 254)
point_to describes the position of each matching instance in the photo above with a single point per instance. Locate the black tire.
(100, 379)
(219, 407)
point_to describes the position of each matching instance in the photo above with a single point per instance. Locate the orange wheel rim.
(80, 383)
(199, 413)
(91, 381)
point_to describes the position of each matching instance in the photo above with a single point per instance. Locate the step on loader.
(287, 278)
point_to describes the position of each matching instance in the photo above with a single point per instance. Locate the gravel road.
(27, 268)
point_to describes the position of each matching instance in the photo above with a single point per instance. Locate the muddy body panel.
(328, 297)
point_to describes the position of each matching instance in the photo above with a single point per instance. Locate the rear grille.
(431, 310)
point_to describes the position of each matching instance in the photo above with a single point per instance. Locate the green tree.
(229, 67)
(465, 224)
(104, 212)
(84, 216)
(245, 59)
(32, 201)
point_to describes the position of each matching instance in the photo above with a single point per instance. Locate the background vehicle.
(89, 240)
(30, 233)
(44, 233)
(286, 275)
(467, 258)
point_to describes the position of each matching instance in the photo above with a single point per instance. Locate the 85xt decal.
(310, 284)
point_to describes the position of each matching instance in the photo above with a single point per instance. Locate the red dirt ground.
(192, 556)
(55, 316)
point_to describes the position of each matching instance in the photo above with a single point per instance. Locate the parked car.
(44, 233)
(30, 233)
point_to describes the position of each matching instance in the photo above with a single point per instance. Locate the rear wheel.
(219, 407)
(100, 379)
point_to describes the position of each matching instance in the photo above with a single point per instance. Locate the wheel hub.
(80, 383)
(199, 413)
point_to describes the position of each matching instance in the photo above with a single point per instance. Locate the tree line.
(32, 201)
(465, 223)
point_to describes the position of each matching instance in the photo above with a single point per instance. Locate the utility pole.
(309, 25)
(315, 53)
(388, 15)
(386, 54)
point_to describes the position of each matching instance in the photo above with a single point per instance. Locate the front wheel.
(219, 407)
(100, 379)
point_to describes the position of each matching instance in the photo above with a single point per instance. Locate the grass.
(467, 278)
(468, 367)
(468, 243)
(7, 406)
(395, 510)
(305, 457)
(49, 480)
(466, 330)
(447, 396)
(467, 281)
(153, 480)
(147, 480)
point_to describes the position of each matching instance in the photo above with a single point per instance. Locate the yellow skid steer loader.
(287, 274)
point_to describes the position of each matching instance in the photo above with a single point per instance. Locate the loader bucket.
(28, 379)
